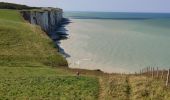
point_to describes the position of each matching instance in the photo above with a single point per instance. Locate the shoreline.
(121, 52)
(87, 61)
(62, 33)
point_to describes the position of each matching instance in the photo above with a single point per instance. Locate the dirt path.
(115, 88)
(101, 89)
(128, 88)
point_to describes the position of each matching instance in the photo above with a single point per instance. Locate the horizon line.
(115, 11)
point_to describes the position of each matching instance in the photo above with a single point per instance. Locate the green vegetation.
(4, 5)
(27, 56)
(44, 83)
(22, 44)
(31, 68)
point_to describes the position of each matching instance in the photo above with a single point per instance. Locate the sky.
(101, 5)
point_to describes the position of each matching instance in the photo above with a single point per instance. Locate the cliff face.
(47, 18)
(51, 21)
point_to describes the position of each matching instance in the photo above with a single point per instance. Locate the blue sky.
(102, 5)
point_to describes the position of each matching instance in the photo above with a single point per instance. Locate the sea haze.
(118, 42)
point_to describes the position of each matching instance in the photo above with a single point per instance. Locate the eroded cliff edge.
(51, 21)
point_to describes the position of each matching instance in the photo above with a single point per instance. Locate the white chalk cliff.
(47, 18)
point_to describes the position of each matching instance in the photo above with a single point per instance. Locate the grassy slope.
(27, 56)
(23, 44)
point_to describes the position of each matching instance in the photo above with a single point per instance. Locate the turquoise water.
(115, 15)
(118, 42)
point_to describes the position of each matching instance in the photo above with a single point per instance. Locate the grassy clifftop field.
(31, 68)
(4, 5)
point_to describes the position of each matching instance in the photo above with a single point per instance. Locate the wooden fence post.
(148, 71)
(152, 72)
(167, 78)
(157, 73)
(162, 76)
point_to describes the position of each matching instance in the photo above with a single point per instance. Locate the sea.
(117, 42)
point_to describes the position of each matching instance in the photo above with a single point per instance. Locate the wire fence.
(156, 73)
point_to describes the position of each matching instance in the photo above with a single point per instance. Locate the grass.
(22, 44)
(149, 89)
(116, 88)
(131, 87)
(10, 15)
(45, 83)
(5, 5)
(31, 68)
